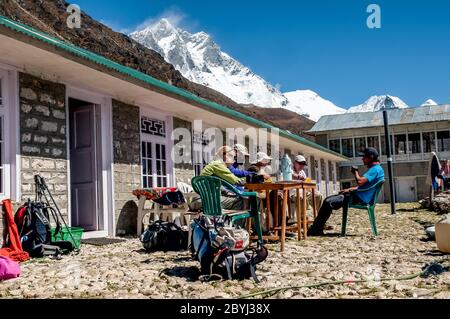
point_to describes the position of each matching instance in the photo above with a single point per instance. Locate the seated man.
(374, 175)
(225, 156)
(300, 175)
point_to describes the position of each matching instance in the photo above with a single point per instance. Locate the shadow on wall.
(127, 221)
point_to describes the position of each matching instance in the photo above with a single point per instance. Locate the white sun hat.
(262, 157)
(301, 159)
(242, 149)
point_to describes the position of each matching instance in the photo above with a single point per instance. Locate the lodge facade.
(96, 130)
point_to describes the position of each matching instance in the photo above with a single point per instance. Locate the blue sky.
(322, 45)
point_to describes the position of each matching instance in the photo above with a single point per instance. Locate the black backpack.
(164, 236)
(33, 224)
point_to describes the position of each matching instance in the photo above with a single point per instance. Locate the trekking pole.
(44, 190)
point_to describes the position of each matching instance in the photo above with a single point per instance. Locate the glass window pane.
(360, 145)
(443, 141)
(144, 167)
(373, 141)
(335, 145)
(158, 151)
(163, 152)
(347, 147)
(383, 146)
(400, 144)
(429, 144)
(149, 150)
(414, 143)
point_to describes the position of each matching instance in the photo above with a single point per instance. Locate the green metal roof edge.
(98, 59)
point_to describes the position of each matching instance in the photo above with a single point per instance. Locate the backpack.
(164, 236)
(223, 251)
(33, 223)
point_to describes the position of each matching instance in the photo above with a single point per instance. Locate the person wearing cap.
(299, 175)
(241, 154)
(374, 174)
(261, 165)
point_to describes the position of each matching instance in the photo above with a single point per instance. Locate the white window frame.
(10, 142)
(166, 141)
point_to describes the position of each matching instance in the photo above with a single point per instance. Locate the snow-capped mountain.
(201, 60)
(376, 103)
(310, 104)
(429, 102)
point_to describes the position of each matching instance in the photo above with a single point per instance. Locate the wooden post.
(305, 215)
(283, 219)
(299, 214)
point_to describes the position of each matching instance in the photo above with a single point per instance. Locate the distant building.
(415, 133)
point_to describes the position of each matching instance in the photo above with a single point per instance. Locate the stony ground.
(124, 270)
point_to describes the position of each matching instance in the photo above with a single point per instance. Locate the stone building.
(415, 133)
(96, 130)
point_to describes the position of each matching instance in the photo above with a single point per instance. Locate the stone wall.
(127, 166)
(43, 137)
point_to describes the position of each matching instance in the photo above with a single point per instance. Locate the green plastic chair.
(370, 207)
(209, 189)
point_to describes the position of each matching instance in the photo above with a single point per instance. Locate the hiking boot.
(314, 232)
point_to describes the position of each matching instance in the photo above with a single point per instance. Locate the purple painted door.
(83, 171)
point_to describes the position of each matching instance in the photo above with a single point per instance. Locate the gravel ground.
(124, 270)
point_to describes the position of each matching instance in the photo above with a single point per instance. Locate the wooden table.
(301, 206)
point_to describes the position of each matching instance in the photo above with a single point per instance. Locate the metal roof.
(421, 114)
(147, 79)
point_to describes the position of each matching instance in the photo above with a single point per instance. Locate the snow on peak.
(201, 60)
(377, 103)
(308, 103)
(429, 102)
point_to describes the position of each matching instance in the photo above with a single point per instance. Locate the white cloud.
(175, 16)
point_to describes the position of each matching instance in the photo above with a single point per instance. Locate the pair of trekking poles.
(44, 196)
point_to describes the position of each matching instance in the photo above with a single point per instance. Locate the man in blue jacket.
(374, 174)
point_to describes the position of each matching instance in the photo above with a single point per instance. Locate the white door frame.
(105, 176)
(11, 137)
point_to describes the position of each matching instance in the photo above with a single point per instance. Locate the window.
(347, 147)
(373, 141)
(443, 141)
(400, 144)
(360, 145)
(335, 145)
(147, 164)
(428, 142)
(154, 153)
(414, 143)
(201, 157)
(383, 146)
